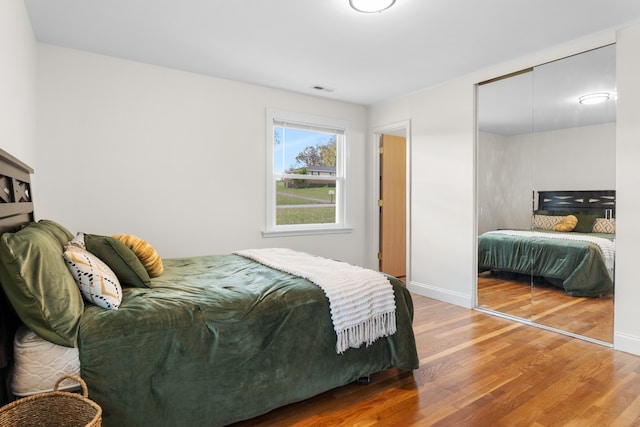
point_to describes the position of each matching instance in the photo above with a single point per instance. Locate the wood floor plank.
(539, 301)
(482, 370)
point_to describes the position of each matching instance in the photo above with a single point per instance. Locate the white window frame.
(309, 122)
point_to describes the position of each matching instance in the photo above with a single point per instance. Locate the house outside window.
(306, 174)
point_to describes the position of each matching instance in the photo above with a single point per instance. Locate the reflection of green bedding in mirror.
(579, 265)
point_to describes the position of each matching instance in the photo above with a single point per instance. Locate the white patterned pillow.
(603, 225)
(545, 222)
(77, 241)
(97, 282)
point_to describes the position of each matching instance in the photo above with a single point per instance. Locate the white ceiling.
(546, 98)
(297, 44)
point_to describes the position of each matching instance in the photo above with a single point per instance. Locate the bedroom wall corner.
(18, 82)
(627, 319)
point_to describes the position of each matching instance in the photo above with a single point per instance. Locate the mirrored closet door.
(546, 194)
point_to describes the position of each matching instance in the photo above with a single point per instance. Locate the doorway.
(393, 201)
(391, 189)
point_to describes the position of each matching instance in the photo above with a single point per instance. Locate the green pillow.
(38, 284)
(61, 234)
(585, 222)
(124, 263)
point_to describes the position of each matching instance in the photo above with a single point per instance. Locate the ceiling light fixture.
(371, 6)
(593, 98)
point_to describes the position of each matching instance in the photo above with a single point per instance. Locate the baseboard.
(626, 342)
(445, 295)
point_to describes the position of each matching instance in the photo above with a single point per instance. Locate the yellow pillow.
(145, 253)
(568, 223)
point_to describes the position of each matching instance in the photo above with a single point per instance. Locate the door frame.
(374, 213)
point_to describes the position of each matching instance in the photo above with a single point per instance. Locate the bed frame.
(596, 201)
(16, 209)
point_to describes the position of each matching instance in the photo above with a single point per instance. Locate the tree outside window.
(306, 186)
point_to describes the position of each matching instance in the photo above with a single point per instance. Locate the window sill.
(306, 232)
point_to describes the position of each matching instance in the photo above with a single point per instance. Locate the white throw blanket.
(361, 301)
(607, 247)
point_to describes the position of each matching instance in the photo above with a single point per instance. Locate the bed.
(212, 340)
(578, 259)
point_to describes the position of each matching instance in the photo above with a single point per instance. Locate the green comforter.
(218, 339)
(577, 265)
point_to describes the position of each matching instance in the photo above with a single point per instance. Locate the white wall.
(175, 158)
(504, 181)
(627, 319)
(18, 58)
(580, 158)
(510, 168)
(442, 183)
(492, 198)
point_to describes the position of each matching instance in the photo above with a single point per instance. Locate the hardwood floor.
(482, 370)
(547, 304)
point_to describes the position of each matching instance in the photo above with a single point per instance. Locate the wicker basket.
(53, 409)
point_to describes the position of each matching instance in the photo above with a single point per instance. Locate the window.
(306, 176)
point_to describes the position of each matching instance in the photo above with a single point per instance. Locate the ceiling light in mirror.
(371, 6)
(594, 98)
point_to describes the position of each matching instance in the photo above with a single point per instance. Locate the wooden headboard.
(16, 206)
(597, 201)
(16, 209)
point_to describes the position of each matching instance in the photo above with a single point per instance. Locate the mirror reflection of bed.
(526, 154)
(559, 273)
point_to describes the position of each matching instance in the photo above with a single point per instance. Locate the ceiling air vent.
(322, 88)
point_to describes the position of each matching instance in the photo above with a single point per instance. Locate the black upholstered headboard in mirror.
(597, 201)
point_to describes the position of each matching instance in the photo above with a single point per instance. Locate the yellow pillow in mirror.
(568, 223)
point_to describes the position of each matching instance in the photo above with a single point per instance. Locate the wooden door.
(393, 203)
